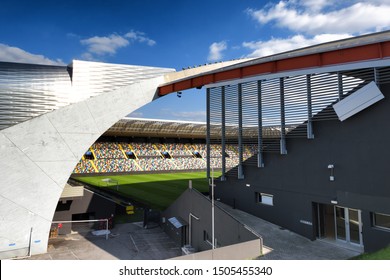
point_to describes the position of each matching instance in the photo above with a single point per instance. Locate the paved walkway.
(133, 242)
(282, 244)
(126, 242)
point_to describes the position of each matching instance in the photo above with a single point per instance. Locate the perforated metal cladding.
(28, 90)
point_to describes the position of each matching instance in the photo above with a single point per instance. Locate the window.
(266, 199)
(381, 221)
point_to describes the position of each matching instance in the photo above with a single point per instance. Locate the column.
(208, 131)
(283, 150)
(240, 142)
(260, 159)
(223, 136)
(310, 134)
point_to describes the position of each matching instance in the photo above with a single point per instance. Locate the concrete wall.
(242, 251)
(358, 149)
(92, 203)
(228, 231)
(38, 156)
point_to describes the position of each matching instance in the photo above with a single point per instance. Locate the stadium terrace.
(299, 138)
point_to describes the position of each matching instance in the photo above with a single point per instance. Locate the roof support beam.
(340, 85)
(283, 149)
(223, 134)
(240, 142)
(208, 133)
(375, 51)
(260, 159)
(376, 76)
(310, 134)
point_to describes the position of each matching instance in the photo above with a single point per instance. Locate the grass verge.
(383, 254)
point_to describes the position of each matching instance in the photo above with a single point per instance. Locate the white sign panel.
(358, 101)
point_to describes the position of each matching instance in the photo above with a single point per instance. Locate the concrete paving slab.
(133, 242)
(282, 244)
(126, 242)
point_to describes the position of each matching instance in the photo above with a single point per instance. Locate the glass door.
(341, 224)
(354, 226)
(348, 225)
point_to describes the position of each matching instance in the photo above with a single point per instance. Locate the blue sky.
(177, 34)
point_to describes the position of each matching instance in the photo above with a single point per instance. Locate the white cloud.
(316, 5)
(172, 114)
(109, 45)
(314, 22)
(135, 115)
(302, 16)
(105, 45)
(216, 49)
(140, 37)
(278, 45)
(14, 54)
(194, 115)
(87, 56)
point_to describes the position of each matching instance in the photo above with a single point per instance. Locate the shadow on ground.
(126, 242)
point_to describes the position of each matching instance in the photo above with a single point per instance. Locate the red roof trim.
(354, 54)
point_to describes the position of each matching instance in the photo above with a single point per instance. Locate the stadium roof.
(157, 128)
(375, 46)
(137, 127)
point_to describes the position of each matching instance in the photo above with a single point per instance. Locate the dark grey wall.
(98, 206)
(358, 149)
(228, 231)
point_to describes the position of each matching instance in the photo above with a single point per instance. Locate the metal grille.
(267, 112)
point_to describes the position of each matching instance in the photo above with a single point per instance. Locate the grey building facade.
(312, 151)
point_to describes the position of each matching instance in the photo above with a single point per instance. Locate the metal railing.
(86, 221)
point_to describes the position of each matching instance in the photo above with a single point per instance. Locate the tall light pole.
(212, 209)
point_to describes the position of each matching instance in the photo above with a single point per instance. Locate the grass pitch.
(158, 191)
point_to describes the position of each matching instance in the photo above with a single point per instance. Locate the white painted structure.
(38, 155)
(358, 101)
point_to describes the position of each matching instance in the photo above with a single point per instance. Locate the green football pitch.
(158, 191)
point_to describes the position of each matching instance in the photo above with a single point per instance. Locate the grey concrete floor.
(282, 244)
(133, 242)
(126, 242)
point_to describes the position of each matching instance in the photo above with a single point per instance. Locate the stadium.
(297, 139)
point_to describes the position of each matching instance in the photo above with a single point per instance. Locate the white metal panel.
(75, 191)
(358, 101)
